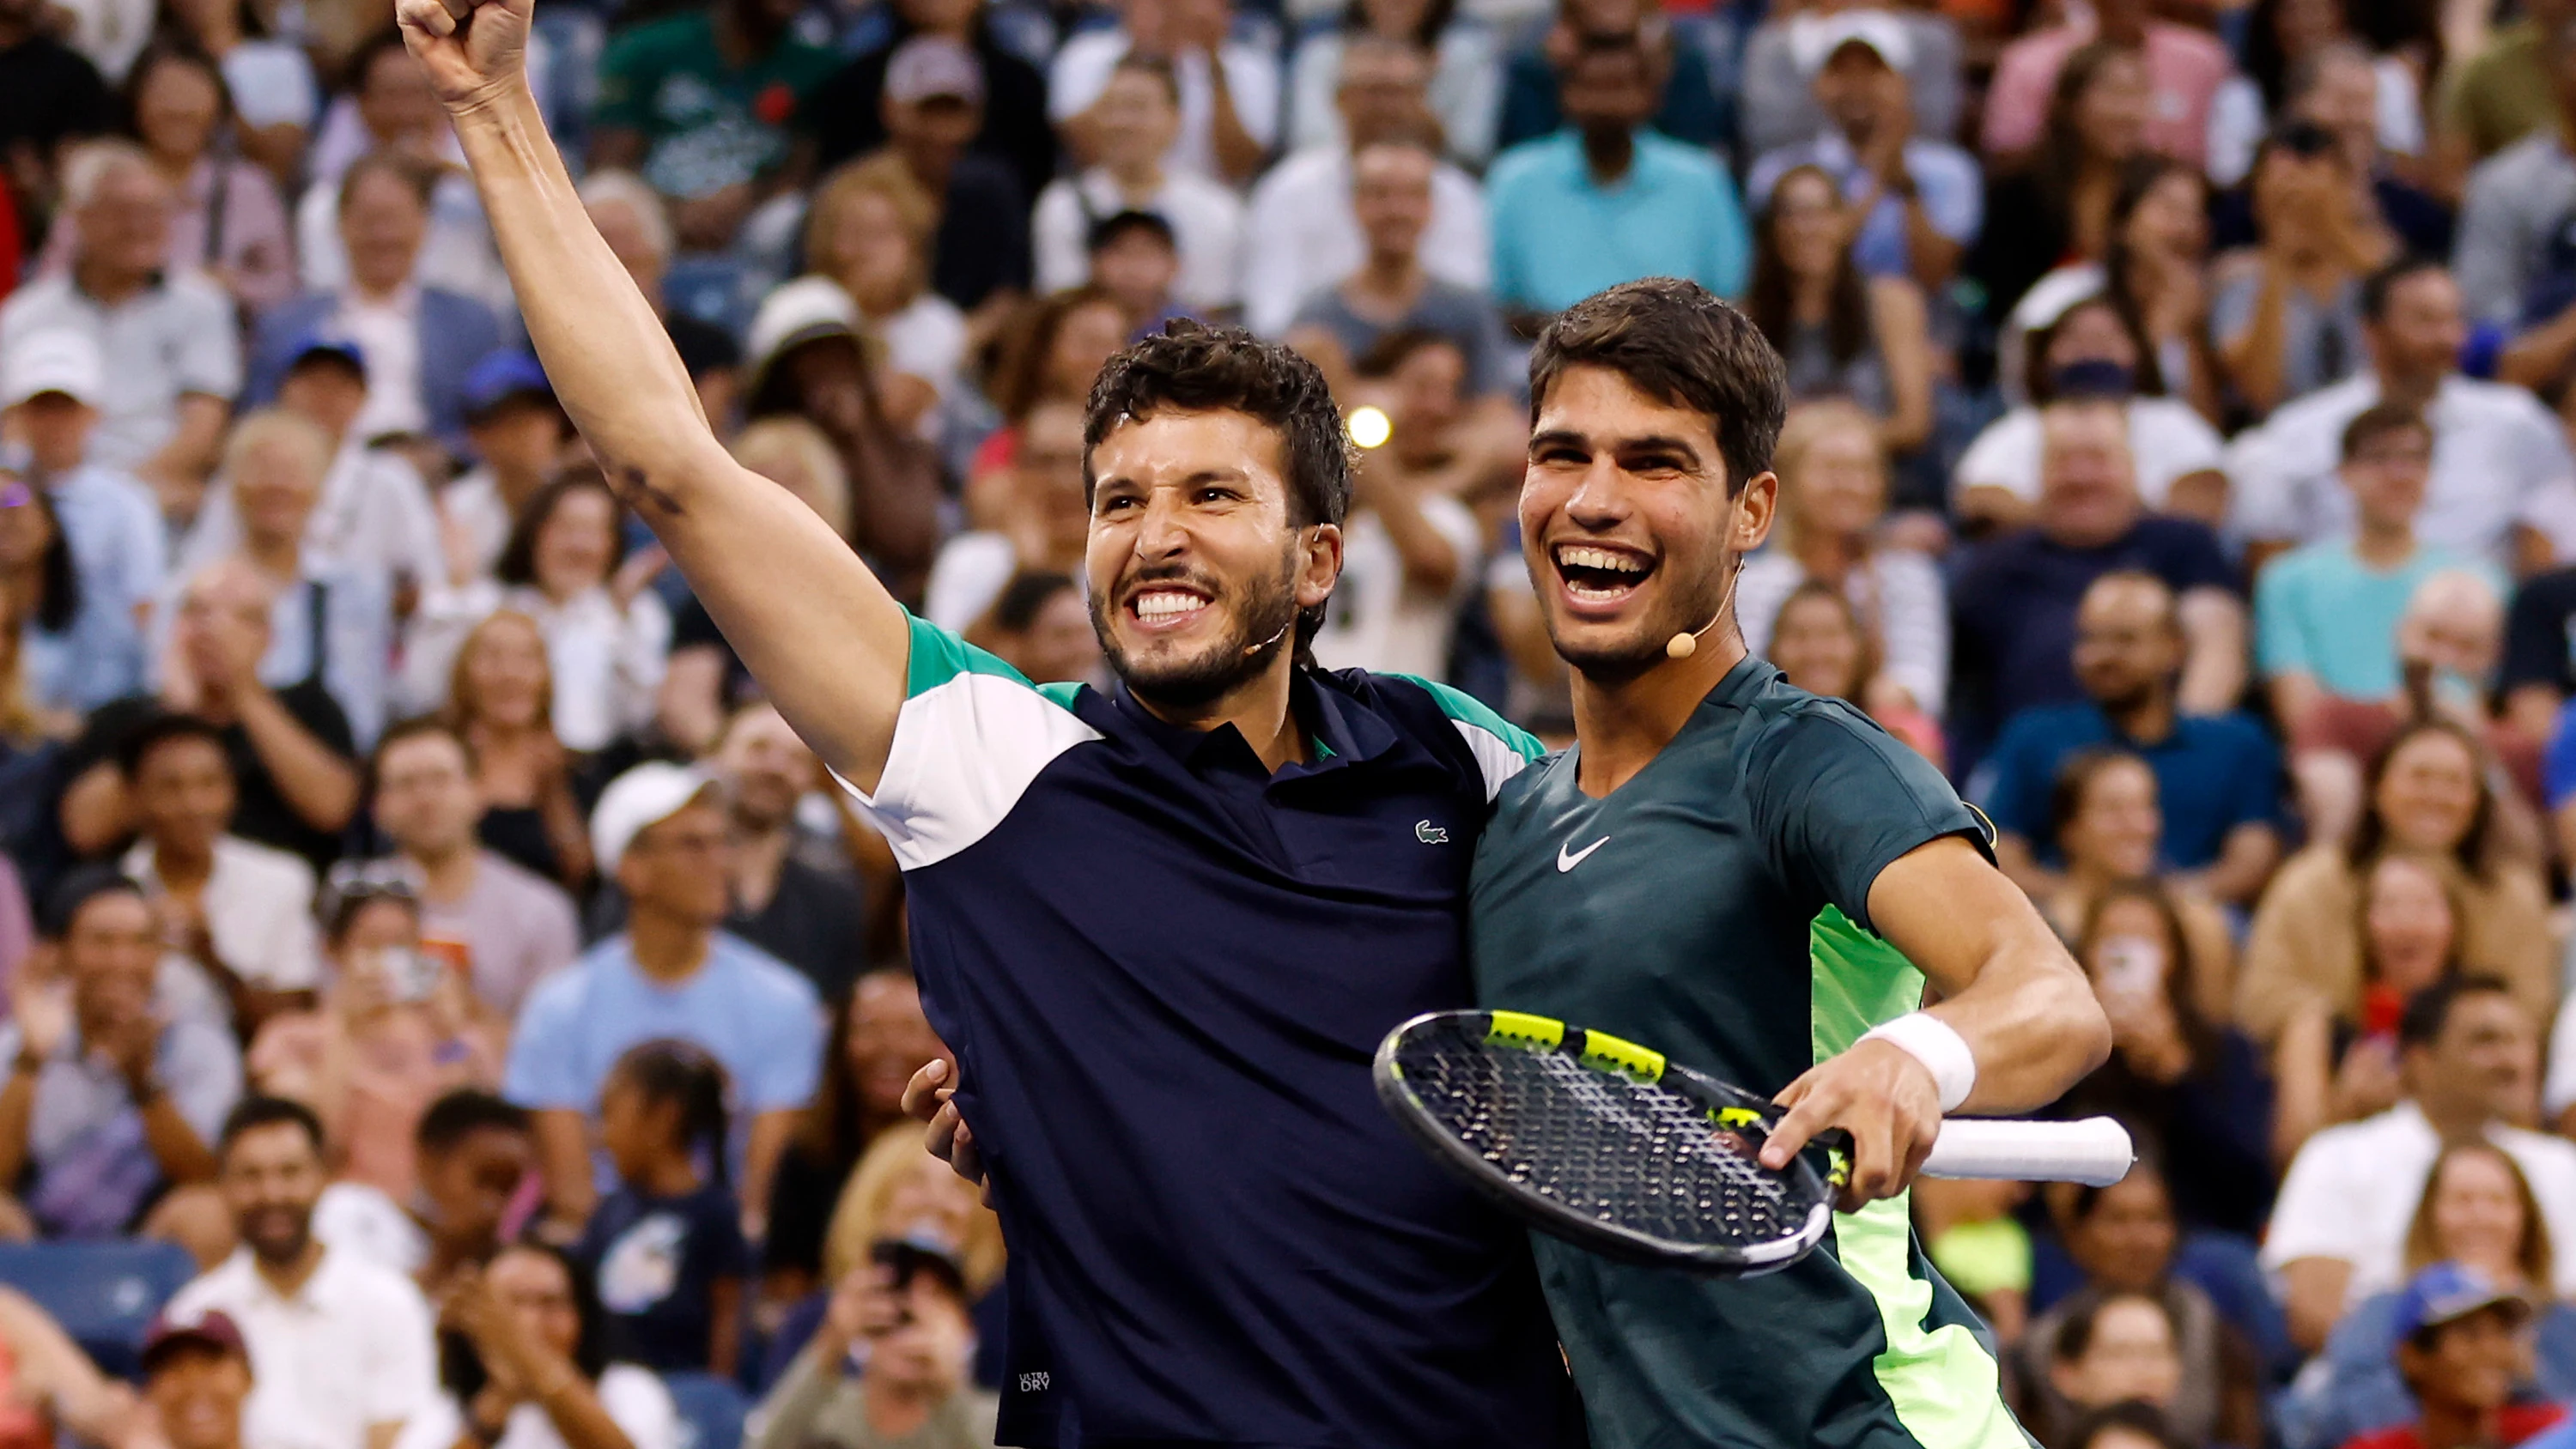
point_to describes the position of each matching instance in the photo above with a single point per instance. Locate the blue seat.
(714, 289)
(711, 1410)
(103, 1294)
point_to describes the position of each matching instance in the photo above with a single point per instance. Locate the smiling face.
(1197, 569)
(2428, 795)
(577, 544)
(2116, 823)
(1625, 522)
(503, 676)
(2477, 1215)
(176, 107)
(1807, 223)
(2407, 923)
(1815, 645)
(196, 1393)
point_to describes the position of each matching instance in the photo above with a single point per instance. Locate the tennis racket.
(1611, 1147)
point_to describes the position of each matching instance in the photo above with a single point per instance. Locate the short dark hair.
(1195, 367)
(1118, 223)
(251, 1114)
(462, 1113)
(1683, 345)
(2376, 287)
(2428, 1012)
(167, 727)
(1396, 347)
(419, 726)
(2379, 420)
(62, 905)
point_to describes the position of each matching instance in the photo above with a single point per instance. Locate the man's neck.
(1620, 727)
(183, 864)
(447, 876)
(2453, 1426)
(1392, 283)
(2454, 1121)
(281, 559)
(111, 287)
(2148, 721)
(1258, 709)
(759, 855)
(1609, 154)
(1138, 181)
(288, 1279)
(2410, 390)
(2383, 545)
(667, 949)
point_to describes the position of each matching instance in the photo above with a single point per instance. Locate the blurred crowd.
(411, 912)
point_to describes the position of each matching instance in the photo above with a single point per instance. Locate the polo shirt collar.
(1343, 733)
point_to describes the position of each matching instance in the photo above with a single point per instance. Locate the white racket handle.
(2094, 1151)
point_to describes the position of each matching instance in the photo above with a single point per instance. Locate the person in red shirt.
(2464, 1349)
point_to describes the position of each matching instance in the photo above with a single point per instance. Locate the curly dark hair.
(1195, 367)
(1682, 344)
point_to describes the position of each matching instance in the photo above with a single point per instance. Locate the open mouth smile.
(1597, 578)
(1166, 608)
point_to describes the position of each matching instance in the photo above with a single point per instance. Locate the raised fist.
(470, 49)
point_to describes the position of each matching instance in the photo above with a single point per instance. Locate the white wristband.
(1939, 1047)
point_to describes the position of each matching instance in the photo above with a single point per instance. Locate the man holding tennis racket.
(1164, 926)
(1747, 878)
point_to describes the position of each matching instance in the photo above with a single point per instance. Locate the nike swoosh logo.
(1568, 860)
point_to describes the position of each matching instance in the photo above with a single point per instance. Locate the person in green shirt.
(1759, 883)
(704, 103)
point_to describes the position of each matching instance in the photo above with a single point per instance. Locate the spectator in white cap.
(1132, 125)
(660, 832)
(172, 355)
(1919, 200)
(50, 386)
(1777, 107)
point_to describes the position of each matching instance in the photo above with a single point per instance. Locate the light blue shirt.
(1946, 180)
(118, 548)
(1560, 236)
(2320, 611)
(757, 1017)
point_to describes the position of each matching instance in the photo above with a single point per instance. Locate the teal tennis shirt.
(1714, 907)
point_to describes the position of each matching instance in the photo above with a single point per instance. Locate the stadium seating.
(103, 1293)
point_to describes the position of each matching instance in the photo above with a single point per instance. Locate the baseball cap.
(2448, 1292)
(58, 360)
(930, 66)
(322, 344)
(502, 376)
(807, 309)
(636, 801)
(1879, 30)
(212, 1328)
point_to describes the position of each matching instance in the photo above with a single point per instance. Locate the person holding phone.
(398, 1027)
(901, 1316)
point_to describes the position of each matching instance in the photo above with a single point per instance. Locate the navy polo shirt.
(2012, 615)
(2213, 773)
(1164, 971)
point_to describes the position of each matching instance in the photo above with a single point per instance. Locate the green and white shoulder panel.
(972, 735)
(1502, 749)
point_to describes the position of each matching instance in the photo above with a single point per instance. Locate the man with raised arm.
(1164, 925)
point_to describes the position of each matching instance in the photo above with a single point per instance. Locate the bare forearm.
(1238, 155)
(319, 786)
(2253, 359)
(2539, 357)
(769, 1134)
(2244, 863)
(2213, 670)
(17, 1108)
(563, 1160)
(190, 453)
(175, 1145)
(1430, 562)
(1931, 256)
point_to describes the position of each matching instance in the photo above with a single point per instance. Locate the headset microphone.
(1273, 639)
(1683, 646)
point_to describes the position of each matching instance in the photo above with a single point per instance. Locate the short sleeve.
(636, 1402)
(203, 1072)
(543, 1071)
(1502, 749)
(2536, 638)
(2313, 1217)
(402, 1378)
(1836, 800)
(2189, 558)
(720, 1238)
(791, 1053)
(970, 739)
(2280, 643)
(208, 345)
(1956, 201)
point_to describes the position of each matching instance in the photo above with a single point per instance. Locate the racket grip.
(2094, 1151)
